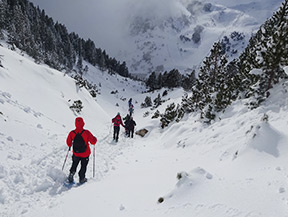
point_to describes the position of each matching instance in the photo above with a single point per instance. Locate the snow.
(235, 167)
(286, 69)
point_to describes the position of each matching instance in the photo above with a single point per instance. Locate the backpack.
(116, 121)
(79, 145)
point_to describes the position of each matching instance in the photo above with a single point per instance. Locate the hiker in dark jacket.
(131, 109)
(117, 121)
(82, 155)
(130, 102)
(126, 120)
(130, 126)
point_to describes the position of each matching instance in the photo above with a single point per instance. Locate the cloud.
(106, 22)
(151, 8)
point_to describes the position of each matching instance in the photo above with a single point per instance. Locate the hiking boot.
(81, 181)
(70, 177)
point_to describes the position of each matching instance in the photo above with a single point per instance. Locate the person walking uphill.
(117, 121)
(80, 139)
(130, 127)
(131, 110)
(130, 102)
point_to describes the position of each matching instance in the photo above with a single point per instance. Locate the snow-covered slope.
(235, 167)
(35, 119)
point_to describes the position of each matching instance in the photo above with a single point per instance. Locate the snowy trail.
(35, 121)
(134, 173)
(29, 180)
(143, 171)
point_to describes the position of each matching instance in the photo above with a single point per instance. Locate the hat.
(79, 123)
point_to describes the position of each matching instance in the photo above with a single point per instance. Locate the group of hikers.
(80, 139)
(129, 123)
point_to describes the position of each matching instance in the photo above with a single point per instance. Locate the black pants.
(116, 133)
(130, 133)
(84, 163)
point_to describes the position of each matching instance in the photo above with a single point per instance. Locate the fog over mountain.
(104, 21)
(158, 35)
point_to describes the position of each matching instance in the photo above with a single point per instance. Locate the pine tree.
(213, 83)
(214, 90)
(151, 82)
(187, 104)
(157, 101)
(268, 52)
(32, 31)
(90, 52)
(172, 113)
(80, 65)
(3, 22)
(101, 59)
(276, 47)
(219, 83)
(159, 81)
(164, 79)
(123, 70)
(188, 81)
(147, 102)
(173, 79)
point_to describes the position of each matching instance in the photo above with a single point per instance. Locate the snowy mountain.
(182, 35)
(164, 34)
(234, 167)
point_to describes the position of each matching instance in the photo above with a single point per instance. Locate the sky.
(106, 20)
(103, 21)
(95, 21)
(237, 166)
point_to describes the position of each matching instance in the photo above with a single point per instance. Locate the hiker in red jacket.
(80, 139)
(117, 121)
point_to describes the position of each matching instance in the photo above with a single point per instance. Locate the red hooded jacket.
(87, 136)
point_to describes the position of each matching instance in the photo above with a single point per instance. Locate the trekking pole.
(94, 161)
(110, 128)
(66, 158)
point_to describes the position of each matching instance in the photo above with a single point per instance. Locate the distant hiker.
(126, 119)
(131, 109)
(130, 102)
(130, 126)
(117, 120)
(80, 139)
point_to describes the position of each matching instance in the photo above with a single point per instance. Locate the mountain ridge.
(183, 41)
